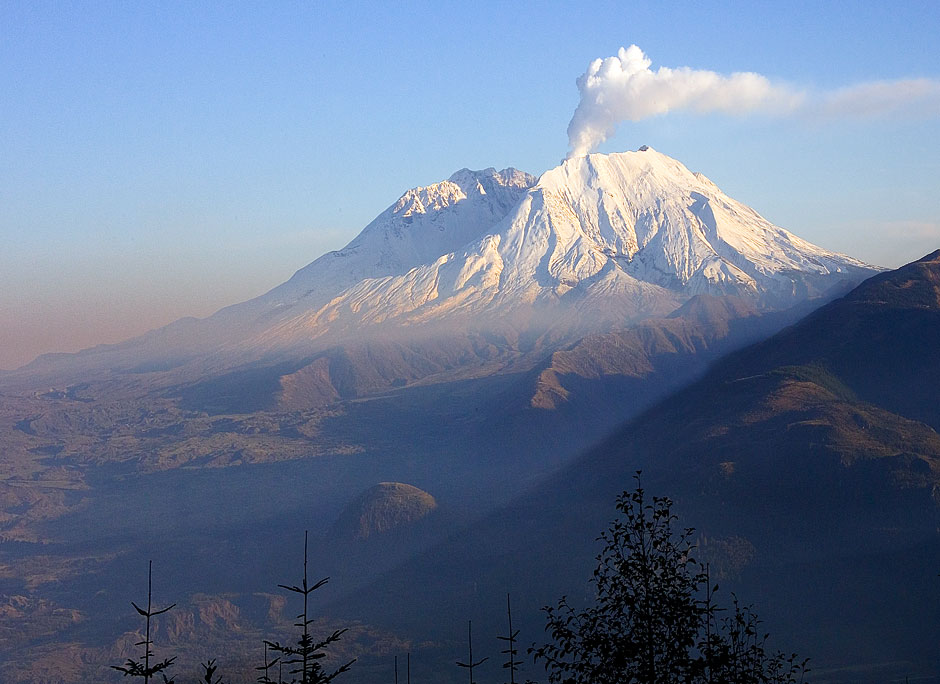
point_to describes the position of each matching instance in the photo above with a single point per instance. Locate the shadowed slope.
(882, 340)
(780, 450)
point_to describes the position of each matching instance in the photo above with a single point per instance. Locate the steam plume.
(624, 88)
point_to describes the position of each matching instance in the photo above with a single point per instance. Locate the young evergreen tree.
(208, 671)
(470, 664)
(510, 651)
(265, 668)
(143, 668)
(306, 655)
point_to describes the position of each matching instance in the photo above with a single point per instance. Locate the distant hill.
(383, 508)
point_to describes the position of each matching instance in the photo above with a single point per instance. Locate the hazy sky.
(163, 160)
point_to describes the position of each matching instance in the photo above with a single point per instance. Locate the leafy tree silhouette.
(142, 668)
(648, 624)
(734, 651)
(306, 655)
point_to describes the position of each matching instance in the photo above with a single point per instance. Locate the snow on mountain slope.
(595, 244)
(423, 224)
(666, 225)
(600, 241)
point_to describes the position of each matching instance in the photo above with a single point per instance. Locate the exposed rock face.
(385, 507)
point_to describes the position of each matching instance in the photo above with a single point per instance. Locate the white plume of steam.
(624, 88)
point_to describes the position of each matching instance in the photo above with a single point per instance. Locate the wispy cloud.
(913, 96)
(914, 230)
(624, 88)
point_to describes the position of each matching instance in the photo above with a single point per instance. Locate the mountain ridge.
(592, 245)
(597, 241)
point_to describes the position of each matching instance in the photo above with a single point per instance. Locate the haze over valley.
(560, 308)
(442, 408)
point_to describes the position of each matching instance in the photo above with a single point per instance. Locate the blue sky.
(166, 159)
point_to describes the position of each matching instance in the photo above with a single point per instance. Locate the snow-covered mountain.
(423, 224)
(595, 244)
(598, 242)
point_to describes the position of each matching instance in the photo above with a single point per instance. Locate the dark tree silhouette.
(734, 651)
(142, 668)
(649, 623)
(265, 668)
(306, 655)
(470, 664)
(208, 670)
(512, 664)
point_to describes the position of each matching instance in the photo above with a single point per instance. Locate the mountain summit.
(660, 223)
(595, 244)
